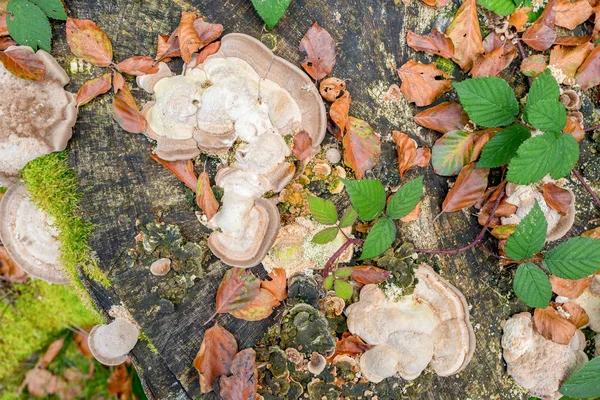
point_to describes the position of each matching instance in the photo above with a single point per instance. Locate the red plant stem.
(591, 128)
(491, 253)
(586, 186)
(337, 254)
(477, 240)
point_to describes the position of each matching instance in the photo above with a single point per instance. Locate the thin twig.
(591, 128)
(337, 254)
(586, 186)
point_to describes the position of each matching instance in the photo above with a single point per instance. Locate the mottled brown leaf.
(86, 40)
(338, 112)
(332, 88)
(408, 154)
(519, 18)
(6, 42)
(350, 345)
(588, 75)
(302, 145)
(168, 46)
(552, 326)
(215, 356)
(435, 43)
(493, 62)
(259, 308)
(432, 3)
(369, 274)
(41, 382)
(277, 285)
(126, 112)
(189, 41)
(51, 352)
(205, 198)
(238, 289)
(423, 83)
(9, 270)
(319, 47)
(572, 40)
(569, 58)
(413, 215)
(533, 65)
(362, 147)
(594, 233)
(119, 382)
(468, 189)
(445, 117)
(569, 14)
(576, 314)
(569, 288)
(3, 26)
(182, 169)
(540, 36)
(207, 52)
(93, 88)
(481, 138)
(465, 33)
(22, 62)
(207, 32)
(83, 346)
(118, 81)
(243, 383)
(138, 65)
(574, 127)
(558, 198)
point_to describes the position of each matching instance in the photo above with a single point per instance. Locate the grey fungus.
(111, 343)
(570, 100)
(317, 363)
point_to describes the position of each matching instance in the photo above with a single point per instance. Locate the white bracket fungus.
(35, 117)
(110, 343)
(429, 327)
(29, 236)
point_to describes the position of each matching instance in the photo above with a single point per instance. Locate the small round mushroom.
(317, 363)
(333, 155)
(29, 236)
(570, 100)
(111, 343)
(160, 267)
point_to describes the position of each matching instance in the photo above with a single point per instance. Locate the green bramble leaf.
(54, 9)
(379, 239)
(343, 272)
(451, 153)
(543, 87)
(500, 7)
(405, 199)
(328, 282)
(584, 383)
(489, 101)
(547, 115)
(28, 25)
(554, 154)
(503, 146)
(323, 211)
(271, 11)
(343, 289)
(532, 286)
(326, 235)
(574, 259)
(529, 236)
(349, 217)
(367, 196)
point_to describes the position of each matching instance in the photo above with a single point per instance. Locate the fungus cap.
(161, 267)
(111, 343)
(147, 82)
(317, 363)
(28, 236)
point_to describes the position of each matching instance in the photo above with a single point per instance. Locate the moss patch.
(38, 315)
(53, 187)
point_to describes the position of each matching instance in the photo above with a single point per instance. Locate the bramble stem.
(587, 187)
(591, 128)
(337, 254)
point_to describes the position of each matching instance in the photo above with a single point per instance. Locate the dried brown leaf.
(189, 41)
(551, 325)
(243, 383)
(533, 65)
(86, 40)
(302, 145)
(569, 58)
(362, 147)
(82, 344)
(138, 65)
(369, 274)
(519, 18)
(338, 112)
(413, 215)
(119, 382)
(22, 62)
(238, 289)
(574, 127)
(93, 88)
(168, 46)
(207, 32)
(494, 62)
(118, 81)
(205, 198)
(126, 112)
(594, 233)
(432, 3)
(9, 270)
(182, 169)
(481, 138)
(569, 288)
(259, 308)
(445, 117)
(588, 75)
(277, 285)
(465, 33)
(469, 187)
(332, 88)
(319, 47)
(207, 52)
(51, 352)
(350, 345)
(572, 40)
(215, 356)
(569, 13)
(423, 83)
(409, 155)
(41, 382)
(540, 36)
(3, 26)
(435, 43)
(6, 42)
(576, 314)
(558, 198)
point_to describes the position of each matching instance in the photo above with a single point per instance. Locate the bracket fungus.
(589, 300)
(536, 363)
(524, 198)
(35, 117)
(110, 343)
(429, 327)
(29, 236)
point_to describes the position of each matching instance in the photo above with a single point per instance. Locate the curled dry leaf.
(3, 26)
(369, 274)
(533, 65)
(93, 88)
(118, 81)
(594, 233)
(51, 352)
(168, 46)
(302, 145)
(445, 117)
(465, 33)
(82, 344)
(207, 52)
(6, 42)
(493, 62)
(572, 40)
(540, 36)
(423, 83)
(138, 65)
(468, 189)
(362, 147)
(215, 356)
(558, 198)
(574, 312)
(243, 383)
(413, 215)
(487, 203)
(207, 32)
(569, 58)
(22, 62)
(551, 325)
(435, 43)
(574, 127)
(277, 285)
(350, 345)
(569, 288)
(588, 74)
(41, 382)
(189, 41)
(86, 40)
(481, 138)
(182, 169)
(519, 18)
(119, 382)
(205, 198)
(338, 112)
(409, 155)
(238, 289)
(569, 14)
(332, 88)
(9, 270)
(319, 47)
(126, 112)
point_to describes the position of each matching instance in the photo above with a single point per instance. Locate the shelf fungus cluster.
(35, 117)
(29, 236)
(429, 327)
(242, 98)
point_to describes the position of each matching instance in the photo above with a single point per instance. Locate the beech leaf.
(6, 42)
(409, 155)
(540, 36)
(208, 51)
(452, 152)
(243, 384)
(588, 75)
(362, 147)
(87, 41)
(569, 14)
(423, 83)
(319, 47)
(370, 274)
(557, 198)
(445, 117)
(302, 145)
(259, 308)
(22, 62)
(205, 198)
(569, 58)
(138, 65)
(468, 189)
(182, 169)
(215, 356)
(338, 112)
(126, 112)
(206, 31)
(551, 325)
(569, 288)
(238, 289)
(277, 285)
(435, 43)
(465, 33)
(189, 41)
(93, 88)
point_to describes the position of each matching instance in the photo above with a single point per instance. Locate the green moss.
(53, 187)
(38, 315)
(149, 343)
(445, 65)
(3, 189)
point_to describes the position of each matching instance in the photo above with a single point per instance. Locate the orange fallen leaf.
(408, 154)
(277, 285)
(259, 308)
(413, 215)
(569, 58)
(594, 233)
(168, 46)
(519, 18)
(332, 88)
(207, 52)
(237, 289)
(22, 62)
(215, 356)
(189, 41)
(574, 127)
(557, 198)
(3, 26)
(369, 274)
(533, 65)
(435, 43)
(93, 88)
(9, 270)
(82, 344)
(551, 325)
(41, 382)
(362, 147)
(302, 145)
(205, 198)
(423, 83)
(576, 314)
(6, 42)
(465, 33)
(349, 345)
(182, 169)
(481, 138)
(126, 112)
(570, 289)
(338, 112)
(243, 383)
(119, 382)
(51, 352)
(319, 47)
(445, 117)
(86, 40)
(588, 75)
(497, 57)
(432, 3)
(207, 32)
(569, 13)
(468, 189)
(118, 81)
(138, 65)
(572, 40)
(540, 36)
